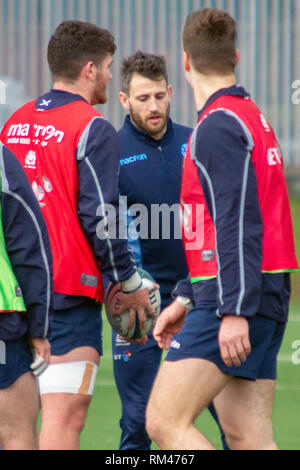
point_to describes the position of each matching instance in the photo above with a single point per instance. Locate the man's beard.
(100, 96)
(143, 125)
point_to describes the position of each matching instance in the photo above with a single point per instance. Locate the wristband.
(185, 301)
(131, 285)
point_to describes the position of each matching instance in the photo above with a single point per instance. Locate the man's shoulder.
(220, 120)
(131, 140)
(124, 131)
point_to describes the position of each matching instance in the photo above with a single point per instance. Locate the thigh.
(64, 408)
(19, 408)
(72, 373)
(245, 408)
(67, 386)
(183, 389)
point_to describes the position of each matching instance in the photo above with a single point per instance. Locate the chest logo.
(133, 159)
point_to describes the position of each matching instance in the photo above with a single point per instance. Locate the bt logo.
(125, 357)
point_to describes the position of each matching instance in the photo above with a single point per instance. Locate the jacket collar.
(235, 90)
(56, 98)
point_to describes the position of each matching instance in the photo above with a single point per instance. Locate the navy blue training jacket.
(150, 175)
(28, 247)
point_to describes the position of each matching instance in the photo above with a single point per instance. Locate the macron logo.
(133, 159)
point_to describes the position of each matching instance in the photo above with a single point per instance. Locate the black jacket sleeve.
(27, 244)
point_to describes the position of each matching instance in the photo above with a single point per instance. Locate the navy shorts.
(15, 360)
(199, 339)
(75, 327)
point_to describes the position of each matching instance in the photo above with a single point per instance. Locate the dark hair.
(73, 44)
(209, 37)
(148, 65)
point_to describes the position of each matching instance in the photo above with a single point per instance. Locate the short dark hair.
(148, 65)
(209, 37)
(73, 44)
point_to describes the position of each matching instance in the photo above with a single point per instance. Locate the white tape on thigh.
(69, 377)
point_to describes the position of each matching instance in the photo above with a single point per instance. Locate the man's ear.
(237, 58)
(170, 92)
(124, 100)
(186, 61)
(187, 67)
(89, 70)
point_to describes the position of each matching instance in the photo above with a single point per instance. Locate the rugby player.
(70, 155)
(152, 148)
(227, 346)
(26, 301)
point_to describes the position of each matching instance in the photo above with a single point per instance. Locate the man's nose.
(153, 105)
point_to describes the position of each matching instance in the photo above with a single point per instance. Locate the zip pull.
(162, 153)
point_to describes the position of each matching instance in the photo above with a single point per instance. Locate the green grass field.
(102, 428)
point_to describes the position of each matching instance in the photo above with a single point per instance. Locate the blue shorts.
(16, 356)
(199, 339)
(75, 327)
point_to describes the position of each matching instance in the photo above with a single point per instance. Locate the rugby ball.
(119, 322)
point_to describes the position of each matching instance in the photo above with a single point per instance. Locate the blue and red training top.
(69, 152)
(234, 171)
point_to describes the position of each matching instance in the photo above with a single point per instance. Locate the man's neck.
(205, 86)
(74, 88)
